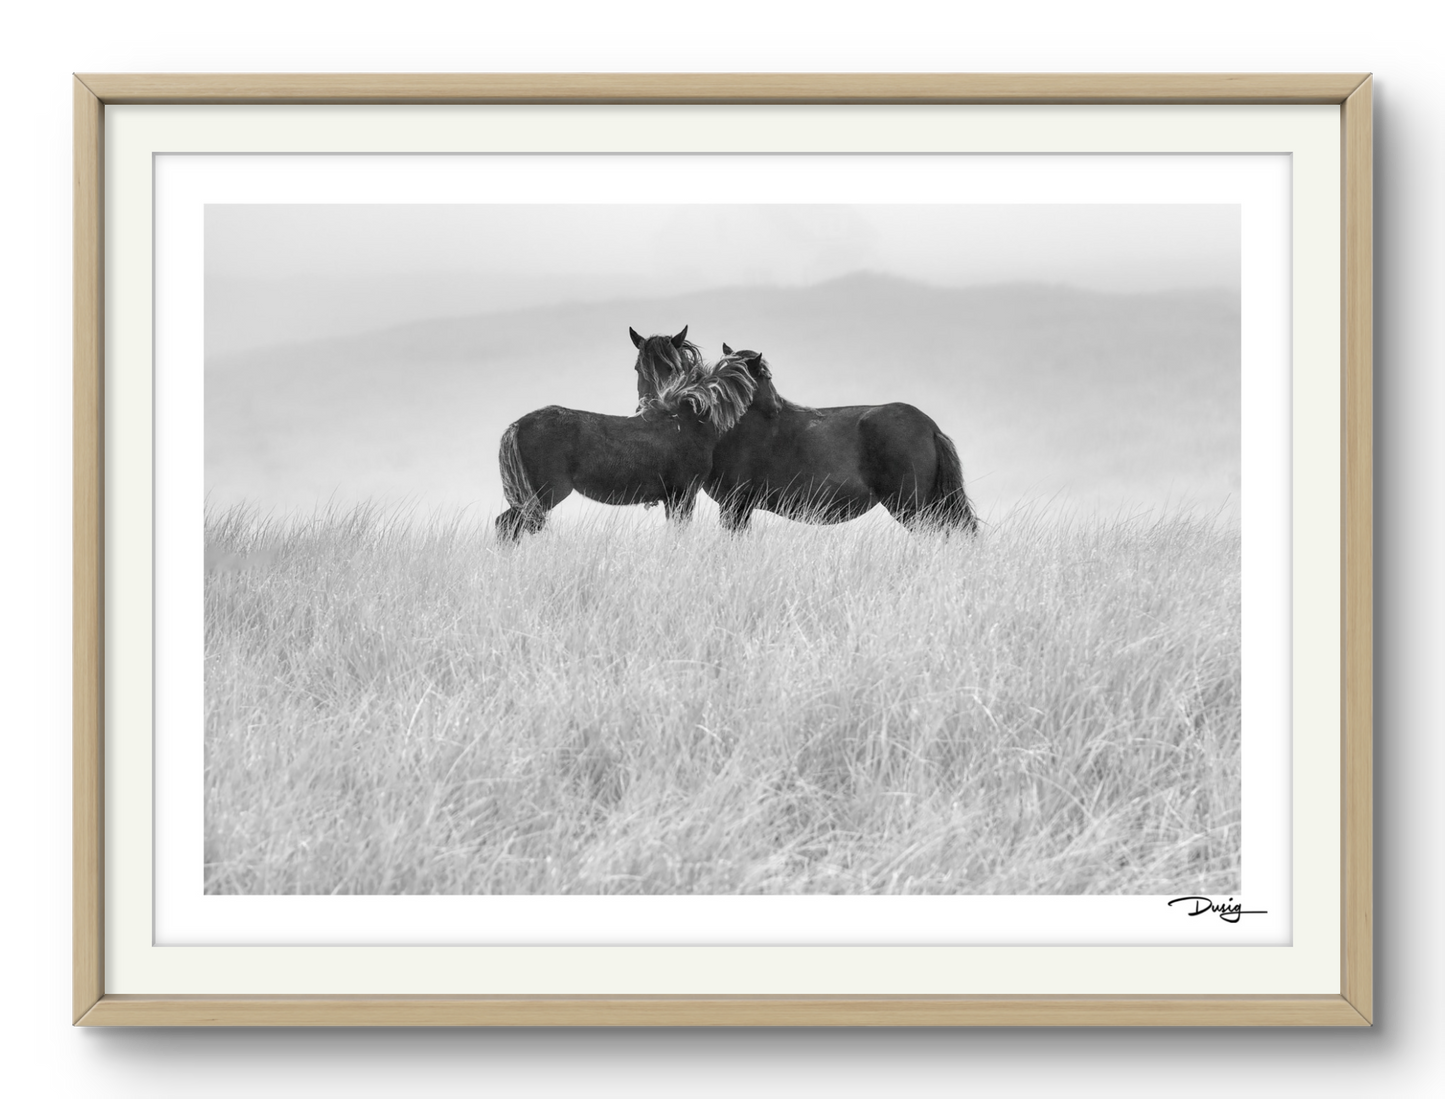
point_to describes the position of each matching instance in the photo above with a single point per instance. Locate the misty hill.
(244, 314)
(1096, 400)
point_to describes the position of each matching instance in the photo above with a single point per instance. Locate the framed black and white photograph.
(783, 558)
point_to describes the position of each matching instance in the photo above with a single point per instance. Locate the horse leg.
(509, 525)
(907, 511)
(941, 517)
(515, 522)
(908, 502)
(532, 516)
(678, 507)
(734, 513)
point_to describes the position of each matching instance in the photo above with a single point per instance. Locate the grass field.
(403, 706)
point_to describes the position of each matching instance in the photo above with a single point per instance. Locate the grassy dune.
(615, 706)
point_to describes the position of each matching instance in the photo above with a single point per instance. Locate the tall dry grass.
(395, 706)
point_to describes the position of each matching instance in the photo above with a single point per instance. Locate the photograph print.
(722, 549)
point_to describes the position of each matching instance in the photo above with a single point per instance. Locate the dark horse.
(661, 455)
(828, 465)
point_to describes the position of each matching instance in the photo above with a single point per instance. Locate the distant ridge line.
(628, 305)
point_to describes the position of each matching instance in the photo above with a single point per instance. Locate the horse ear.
(727, 350)
(637, 340)
(680, 338)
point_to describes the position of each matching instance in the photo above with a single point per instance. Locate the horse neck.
(785, 405)
(780, 403)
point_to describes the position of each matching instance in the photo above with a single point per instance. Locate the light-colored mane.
(659, 353)
(720, 393)
(744, 357)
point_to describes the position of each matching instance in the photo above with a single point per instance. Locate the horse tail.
(951, 506)
(516, 484)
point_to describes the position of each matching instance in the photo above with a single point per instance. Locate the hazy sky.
(1123, 400)
(1125, 248)
(279, 274)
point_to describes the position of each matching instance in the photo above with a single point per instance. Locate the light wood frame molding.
(91, 93)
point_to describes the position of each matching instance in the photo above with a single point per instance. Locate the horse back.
(556, 430)
(899, 448)
(850, 434)
(613, 459)
(895, 418)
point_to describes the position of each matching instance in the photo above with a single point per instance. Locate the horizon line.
(592, 303)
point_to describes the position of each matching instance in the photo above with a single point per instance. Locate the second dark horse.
(828, 465)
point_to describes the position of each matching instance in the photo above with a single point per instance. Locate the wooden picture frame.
(1352, 1005)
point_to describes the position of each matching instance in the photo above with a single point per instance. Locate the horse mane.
(783, 402)
(779, 401)
(657, 352)
(720, 393)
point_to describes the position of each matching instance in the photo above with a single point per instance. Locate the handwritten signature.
(1229, 911)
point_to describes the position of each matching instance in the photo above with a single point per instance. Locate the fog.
(1086, 356)
(279, 274)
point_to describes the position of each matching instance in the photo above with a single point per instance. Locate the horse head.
(718, 395)
(661, 359)
(765, 394)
